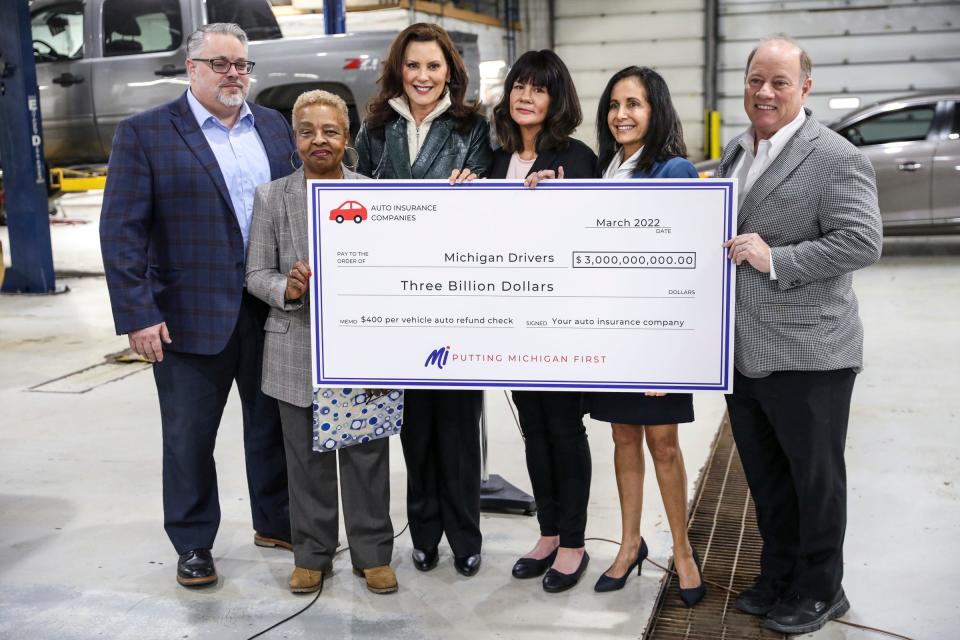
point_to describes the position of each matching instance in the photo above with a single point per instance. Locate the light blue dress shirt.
(242, 158)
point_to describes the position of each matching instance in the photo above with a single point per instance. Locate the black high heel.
(606, 583)
(693, 595)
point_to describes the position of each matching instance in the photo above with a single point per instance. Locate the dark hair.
(664, 138)
(391, 80)
(540, 69)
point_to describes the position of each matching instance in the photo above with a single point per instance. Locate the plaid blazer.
(278, 238)
(172, 247)
(816, 206)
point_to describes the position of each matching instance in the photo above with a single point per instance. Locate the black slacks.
(791, 429)
(314, 517)
(441, 446)
(193, 391)
(558, 461)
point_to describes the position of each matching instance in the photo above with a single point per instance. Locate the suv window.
(57, 32)
(254, 16)
(141, 26)
(902, 125)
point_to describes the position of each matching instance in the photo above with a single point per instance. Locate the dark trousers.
(314, 518)
(193, 390)
(791, 429)
(441, 446)
(558, 461)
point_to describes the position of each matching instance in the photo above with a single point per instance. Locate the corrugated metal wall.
(868, 49)
(597, 39)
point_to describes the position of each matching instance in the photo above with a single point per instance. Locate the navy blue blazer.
(172, 247)
(675, 167)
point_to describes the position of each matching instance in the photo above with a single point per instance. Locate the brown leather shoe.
(379, 579)
(306, 580)
(267, 541)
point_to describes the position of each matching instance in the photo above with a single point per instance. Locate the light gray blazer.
(816, 206)
(278, 238)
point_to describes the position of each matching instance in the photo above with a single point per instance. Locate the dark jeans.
(558, 461)
(441, 446)
(791, 429)
(193, 391)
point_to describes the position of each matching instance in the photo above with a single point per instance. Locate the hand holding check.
(751, 248)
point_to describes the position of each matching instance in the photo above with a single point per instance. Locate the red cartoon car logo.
(349, 210)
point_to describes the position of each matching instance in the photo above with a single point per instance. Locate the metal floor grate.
(723, 529)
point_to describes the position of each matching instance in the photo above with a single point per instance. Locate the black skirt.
(637, 408)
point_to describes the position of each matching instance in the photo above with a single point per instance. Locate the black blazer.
(577, 160)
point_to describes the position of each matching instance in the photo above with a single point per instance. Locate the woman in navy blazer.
(639, 136)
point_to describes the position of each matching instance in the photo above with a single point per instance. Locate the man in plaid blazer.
(175, 221)
(808, 217)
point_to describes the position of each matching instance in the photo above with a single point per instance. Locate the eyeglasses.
(222, 65)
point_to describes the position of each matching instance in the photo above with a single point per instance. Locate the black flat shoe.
(799, 614)
(467, 565)
(531, 567)
(425, 560)
(195, 568)
(555, 582)
(606, 583)
(693, 595)
(759, 599)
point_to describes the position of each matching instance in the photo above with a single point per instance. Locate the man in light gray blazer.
(808, 217)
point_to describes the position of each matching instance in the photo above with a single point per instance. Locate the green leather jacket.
(384, 154)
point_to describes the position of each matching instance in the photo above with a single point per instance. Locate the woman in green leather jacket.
(421, 128)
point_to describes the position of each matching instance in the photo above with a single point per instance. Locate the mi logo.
(438, 357)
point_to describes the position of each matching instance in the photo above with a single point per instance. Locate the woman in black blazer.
(534, 119)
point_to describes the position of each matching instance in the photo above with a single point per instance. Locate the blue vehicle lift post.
(21, 152)
(334, 16)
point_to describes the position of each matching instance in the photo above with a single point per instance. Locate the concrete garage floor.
(83, 553)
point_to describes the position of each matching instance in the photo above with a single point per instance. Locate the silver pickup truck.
(99, 61)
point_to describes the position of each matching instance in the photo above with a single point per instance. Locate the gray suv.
(914, 145)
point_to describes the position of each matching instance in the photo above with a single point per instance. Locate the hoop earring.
(352, 165)
(295, 161)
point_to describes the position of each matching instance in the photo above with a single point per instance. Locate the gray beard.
(231, 101)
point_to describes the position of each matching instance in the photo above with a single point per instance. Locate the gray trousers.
(312, 478)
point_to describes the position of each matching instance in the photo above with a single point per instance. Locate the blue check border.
(722, 384)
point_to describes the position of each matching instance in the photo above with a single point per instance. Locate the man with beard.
(174, 230)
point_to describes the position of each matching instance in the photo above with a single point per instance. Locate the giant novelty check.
(577, 284)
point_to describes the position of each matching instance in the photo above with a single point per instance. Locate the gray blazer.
(278, 238)
(816, 206)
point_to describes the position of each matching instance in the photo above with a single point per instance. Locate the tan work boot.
(379, 579)
(306, 580)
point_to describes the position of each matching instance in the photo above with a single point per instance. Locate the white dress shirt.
(750, 167)
(618, 169)
(241, 157)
